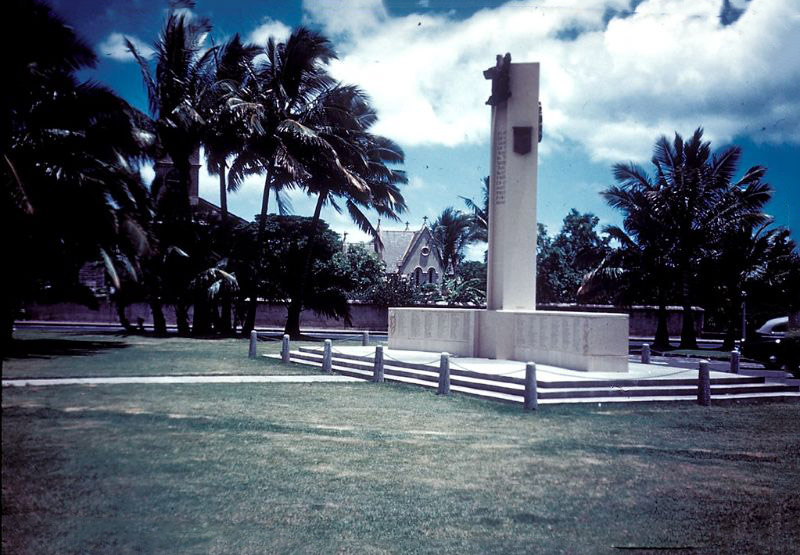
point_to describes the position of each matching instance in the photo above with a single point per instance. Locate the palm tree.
(279, 103)
(226, 128)
(479, 215)
(744, 255)
(177, 92)
(225, 133)
(693, 199)
(451, 233)
(634, 271)
(69, 154)
(640, 268)
(346, 164)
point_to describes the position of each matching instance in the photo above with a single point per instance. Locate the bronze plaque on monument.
(522, 139)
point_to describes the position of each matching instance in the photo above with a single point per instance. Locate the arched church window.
(417, 275)
(431, 275)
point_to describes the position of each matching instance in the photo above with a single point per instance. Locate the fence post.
(253, 344)
(531, 393)
(444, 375)
(703, 385)
(364, 338)
(377, 371)
(646, 353)
(285, 349)
(735, 361)
(327, 356)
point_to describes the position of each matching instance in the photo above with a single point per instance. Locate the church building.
(409, 254)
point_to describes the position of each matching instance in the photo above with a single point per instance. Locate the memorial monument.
(511, 328)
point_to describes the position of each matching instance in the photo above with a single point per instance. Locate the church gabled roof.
(395, 246)
(399, 246)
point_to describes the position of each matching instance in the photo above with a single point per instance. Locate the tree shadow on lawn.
(50, 348)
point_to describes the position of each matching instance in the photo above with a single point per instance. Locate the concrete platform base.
(583, 341)
(503, 380)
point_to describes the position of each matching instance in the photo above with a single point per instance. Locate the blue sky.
(616, 74)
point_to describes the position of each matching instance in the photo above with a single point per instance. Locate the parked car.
(766, 343)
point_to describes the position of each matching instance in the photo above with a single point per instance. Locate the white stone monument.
(511, 327)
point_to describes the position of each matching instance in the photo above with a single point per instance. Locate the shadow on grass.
(49, 348)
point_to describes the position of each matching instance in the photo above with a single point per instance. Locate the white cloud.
(352, 17)
(269, 28)
(115, 48)
(475, 251)
(415, 183)
(612, 87)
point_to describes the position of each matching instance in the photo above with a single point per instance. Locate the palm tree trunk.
(182, 318)
(201, 324)
(733, 322)
(252, 305)
(159, 322)
(123, 318)
(688, 332)
(661, 341)
(182, 164)
(223, 323)
(296, 304)
(223, 194)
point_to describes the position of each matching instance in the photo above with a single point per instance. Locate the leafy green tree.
(311, 132)
(283, 252)
(363, 268)
(395, 290)
(564, 260)
(461, 291)
(757, 264)
(180, 91)
(474, 270)
(639, 268)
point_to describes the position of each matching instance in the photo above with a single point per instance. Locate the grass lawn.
(61, 355)
(369, 468)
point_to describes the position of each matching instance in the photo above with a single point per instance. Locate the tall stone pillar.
(512, 186)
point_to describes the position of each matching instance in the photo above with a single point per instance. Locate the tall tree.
(71, 192)
(451, 233)
(349, 165)
(177, 91)
(568, 257)
(225, 134)
(226, 126)
(281, 103)
(744, 260)
(479, 214)
(693, 197)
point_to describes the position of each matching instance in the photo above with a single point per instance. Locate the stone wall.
(365, 316)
